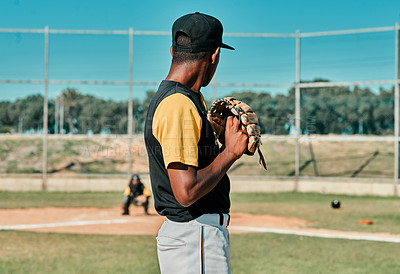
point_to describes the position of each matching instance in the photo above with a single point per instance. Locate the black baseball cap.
(204, 31)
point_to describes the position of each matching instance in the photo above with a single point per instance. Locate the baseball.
(335, 204)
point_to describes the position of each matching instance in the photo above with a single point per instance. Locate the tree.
(71, 99)
(324, 110)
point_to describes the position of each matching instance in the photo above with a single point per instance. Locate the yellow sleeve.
(146, 192)
(177, 127)
(127, 191)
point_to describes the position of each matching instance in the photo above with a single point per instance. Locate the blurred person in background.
(136, 193)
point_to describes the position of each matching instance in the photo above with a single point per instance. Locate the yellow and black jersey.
(177, 127)
(136, 190)
(177, 130)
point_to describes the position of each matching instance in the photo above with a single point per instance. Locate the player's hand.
(235, 139)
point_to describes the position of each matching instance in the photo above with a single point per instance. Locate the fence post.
(130, 103)
(45, 107)
(396, 110)
(297, 110)
(56, 115)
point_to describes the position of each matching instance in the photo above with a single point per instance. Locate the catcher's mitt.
(230, 106)
(140, 200)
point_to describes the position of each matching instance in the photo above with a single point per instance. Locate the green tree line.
(324, 110)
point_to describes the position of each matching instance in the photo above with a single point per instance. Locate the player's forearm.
(214, 172)
(190, 184)
(207, 178)
(235, 145)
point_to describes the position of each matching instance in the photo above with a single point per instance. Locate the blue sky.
(259, 60)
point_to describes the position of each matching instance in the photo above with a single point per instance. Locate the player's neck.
(189, 75)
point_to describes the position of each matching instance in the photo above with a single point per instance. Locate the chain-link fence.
(342, 128)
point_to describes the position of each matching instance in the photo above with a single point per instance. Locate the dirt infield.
(110, 221)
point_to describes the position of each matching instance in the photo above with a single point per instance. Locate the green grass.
(10, 199)
(101, 167)
(269, 253)
(28, 252)
(59, 149)
(316, 208)
(4, 150)
(20, 155)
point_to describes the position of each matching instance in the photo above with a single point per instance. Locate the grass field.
(28, 252)
(80, 154)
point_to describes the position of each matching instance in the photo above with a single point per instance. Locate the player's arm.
(190, 184)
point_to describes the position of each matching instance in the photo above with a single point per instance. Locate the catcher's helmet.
(135, 176)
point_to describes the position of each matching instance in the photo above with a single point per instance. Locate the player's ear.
(172, 51)
(215, 55)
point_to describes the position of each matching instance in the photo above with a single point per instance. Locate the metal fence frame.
(298, 36)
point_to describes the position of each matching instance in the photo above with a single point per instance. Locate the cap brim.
(225, 46)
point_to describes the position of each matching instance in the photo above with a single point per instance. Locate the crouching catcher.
(137, 194)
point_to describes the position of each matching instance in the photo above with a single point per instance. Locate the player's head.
(135, 178)
(197, 36)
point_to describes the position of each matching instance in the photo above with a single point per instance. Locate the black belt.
(221, 219)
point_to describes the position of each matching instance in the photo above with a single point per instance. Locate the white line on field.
(76, 223)
(316, 234)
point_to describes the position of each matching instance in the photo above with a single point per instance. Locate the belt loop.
(221, 219)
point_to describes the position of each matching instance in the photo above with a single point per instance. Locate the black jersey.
(136, 189)
(217, 200)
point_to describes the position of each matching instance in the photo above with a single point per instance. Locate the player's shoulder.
(176, 103)
(177, 99)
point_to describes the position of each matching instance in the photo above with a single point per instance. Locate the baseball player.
(136, 193)
(187, 167)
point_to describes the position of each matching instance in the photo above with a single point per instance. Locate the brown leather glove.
(229, 106)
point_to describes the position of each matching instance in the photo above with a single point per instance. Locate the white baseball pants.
(198, 246)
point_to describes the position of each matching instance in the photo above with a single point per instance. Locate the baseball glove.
(140, 200)
(230, 106)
